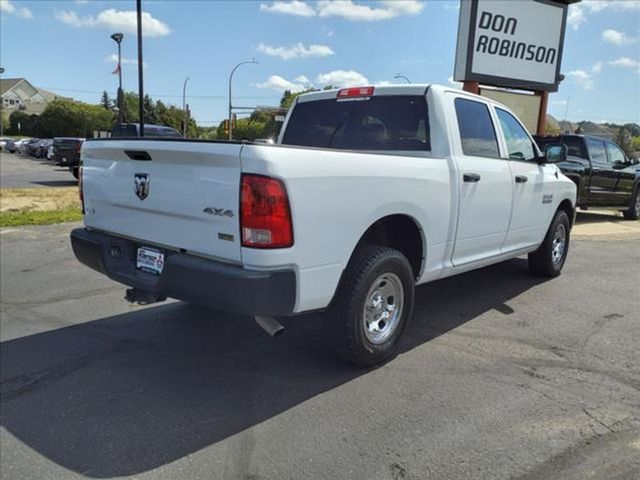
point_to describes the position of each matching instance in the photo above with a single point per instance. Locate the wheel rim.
(383, 308)
(637, 203)
(559, 244)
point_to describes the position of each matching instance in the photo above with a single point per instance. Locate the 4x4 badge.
(141, 185)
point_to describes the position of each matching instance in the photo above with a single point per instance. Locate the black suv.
(133, 130)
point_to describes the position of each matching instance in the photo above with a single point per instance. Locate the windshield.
(376, 123)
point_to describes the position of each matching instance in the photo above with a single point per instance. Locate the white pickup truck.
(368, 192)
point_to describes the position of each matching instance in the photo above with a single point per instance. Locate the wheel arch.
(401, 232)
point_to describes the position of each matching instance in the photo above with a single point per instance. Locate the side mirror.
(555, 153)
(634, 161)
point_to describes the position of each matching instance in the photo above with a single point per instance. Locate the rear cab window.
(384, 122)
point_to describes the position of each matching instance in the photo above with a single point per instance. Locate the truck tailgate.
(172, 194)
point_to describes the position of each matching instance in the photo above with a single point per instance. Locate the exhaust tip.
(270, 325)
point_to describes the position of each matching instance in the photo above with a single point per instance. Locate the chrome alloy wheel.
(559, 244)
(383, 308)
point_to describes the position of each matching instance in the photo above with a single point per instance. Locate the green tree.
(105, 101)
(21, 123)
(623, 139)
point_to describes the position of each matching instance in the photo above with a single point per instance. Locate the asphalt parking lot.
(24, 171)
(502, 376)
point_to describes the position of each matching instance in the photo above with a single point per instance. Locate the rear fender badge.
(141, 185)
(219, 212)
(547, 198)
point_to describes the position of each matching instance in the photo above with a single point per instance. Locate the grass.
(39, 206)
(35, 217)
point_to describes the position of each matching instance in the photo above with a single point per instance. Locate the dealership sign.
(511, 43)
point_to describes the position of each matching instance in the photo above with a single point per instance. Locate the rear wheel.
(372, 307)
(634, 206)
(75, 172)
(549, 258)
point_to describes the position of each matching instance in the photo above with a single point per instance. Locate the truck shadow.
(602, 216)
(129, 393)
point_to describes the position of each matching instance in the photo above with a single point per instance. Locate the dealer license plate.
(150, 260)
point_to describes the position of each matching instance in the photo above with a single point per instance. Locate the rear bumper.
(186, 277)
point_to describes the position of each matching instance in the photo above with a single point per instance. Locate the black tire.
(346, 327)
(548, 260)
(633, 213)
(75, 172)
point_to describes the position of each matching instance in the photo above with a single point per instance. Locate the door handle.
(521, 179)
(471, 177)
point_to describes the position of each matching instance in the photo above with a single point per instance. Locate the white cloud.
(276, 82)
(626, 62)
(349, 10)
(8, 7)
(342, 78)
(616, 37)
(301, 79)
(122, 20)
(383, 83)
(296, 7)
(597, 67)
(576, 16)
(578, 12)
(296, 51)
(346, 9)
(582, 78)
(114, 58)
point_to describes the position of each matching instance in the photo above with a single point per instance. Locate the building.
(20, 94)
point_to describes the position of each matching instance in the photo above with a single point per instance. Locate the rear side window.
(476, 129)
(390, 122)
(597, 151)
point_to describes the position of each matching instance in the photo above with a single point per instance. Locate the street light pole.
(184, 106)
(140, 63)
(398, 75)
(117, 37)
(1, 107)
(253, 60)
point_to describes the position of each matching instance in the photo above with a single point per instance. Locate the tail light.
(265, 216)
(80, 188)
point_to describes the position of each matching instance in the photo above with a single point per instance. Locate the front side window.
(597, 151)
(477, 134)
(616, 155)
(519, 144)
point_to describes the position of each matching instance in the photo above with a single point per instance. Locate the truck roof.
(400, 89)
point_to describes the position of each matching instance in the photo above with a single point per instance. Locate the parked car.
(369, 192)
(15, 145)
(42, 147)
(3, 142)
(31, 146)
(605, 177)
(50, 152)
(66, 152)
(133, 130)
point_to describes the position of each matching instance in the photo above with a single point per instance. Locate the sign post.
(514, 45)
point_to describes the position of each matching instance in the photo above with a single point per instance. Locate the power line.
(164, 95)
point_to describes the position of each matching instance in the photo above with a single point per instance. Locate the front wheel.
(550, 256)
(633, 213)
(372, 306)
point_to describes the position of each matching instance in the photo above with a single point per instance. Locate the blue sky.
(65, 47)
